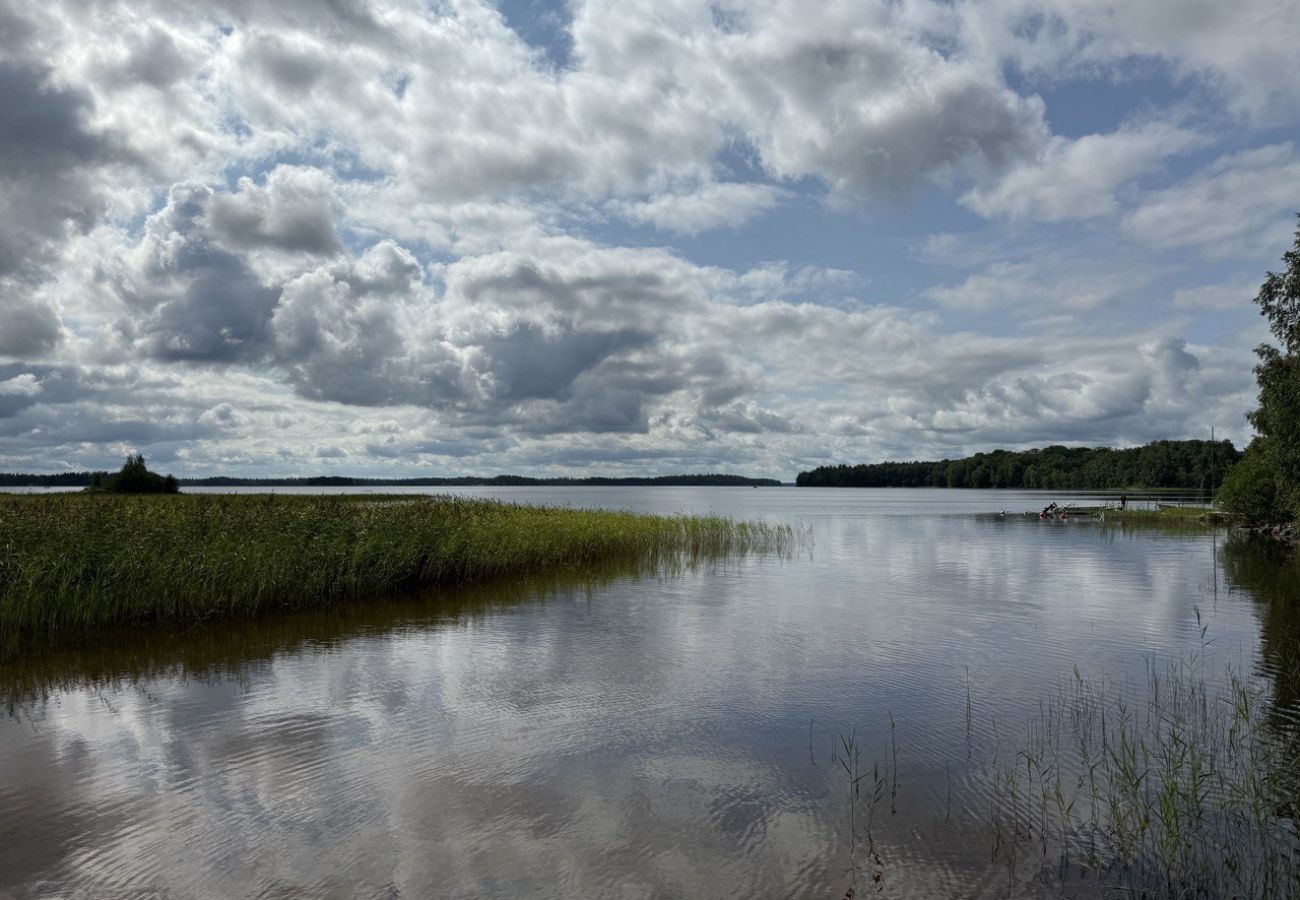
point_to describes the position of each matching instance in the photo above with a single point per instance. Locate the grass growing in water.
(75, 562)
(1202, 515)
(1187, 792)
(1190, 789)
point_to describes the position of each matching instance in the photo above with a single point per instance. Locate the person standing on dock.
(1123, 501)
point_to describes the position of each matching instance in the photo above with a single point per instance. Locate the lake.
(611, 735)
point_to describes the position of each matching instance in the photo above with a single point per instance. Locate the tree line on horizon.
(711, 480)
(103, 479)
(1258, 486)
(1189, 465)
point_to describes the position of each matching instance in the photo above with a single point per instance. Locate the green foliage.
(76, 561)
(1198, 465)
(1253, 489)
(135, 478)
(1273, 493)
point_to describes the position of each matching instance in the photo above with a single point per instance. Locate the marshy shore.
(1172, 514)
(75, 562)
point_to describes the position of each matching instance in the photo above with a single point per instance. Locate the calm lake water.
(615, 735)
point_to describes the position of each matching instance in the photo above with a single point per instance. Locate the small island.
(133, 478)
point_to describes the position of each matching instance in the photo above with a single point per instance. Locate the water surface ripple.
(662, 736)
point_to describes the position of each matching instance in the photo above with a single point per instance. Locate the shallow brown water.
(611, 735)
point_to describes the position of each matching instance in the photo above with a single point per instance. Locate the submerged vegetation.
(73, 562)
(1195, 465)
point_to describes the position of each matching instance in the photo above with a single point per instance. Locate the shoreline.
(73, 563)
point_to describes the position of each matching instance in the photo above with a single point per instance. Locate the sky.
(389, 237)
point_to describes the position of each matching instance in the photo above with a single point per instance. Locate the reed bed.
(1185, 786)
(1189, 790)
(76, 562)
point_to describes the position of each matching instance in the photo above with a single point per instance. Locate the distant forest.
(83, 479)
(1198, 465)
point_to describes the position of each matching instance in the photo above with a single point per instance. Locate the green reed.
(1187, 791)
(1185, 786)
(75, 562)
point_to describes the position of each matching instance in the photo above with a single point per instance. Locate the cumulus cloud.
(872, 110)
(357, 332)
(49, 154)
(293, 211)
(248, 225)
(24, 385)
(223, 416)
(192, 299)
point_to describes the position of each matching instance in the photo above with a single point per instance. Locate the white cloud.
(1240, 51)
(710, 206)
(1078, 179)
(24, 385)
(248, 225)
(223, 416)
(1238, 206)
(1055, 284)
(1237, 294)
(294, 211)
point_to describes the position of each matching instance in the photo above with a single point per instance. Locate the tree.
(1274, 469)
(135, 478)
(1251, 488)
